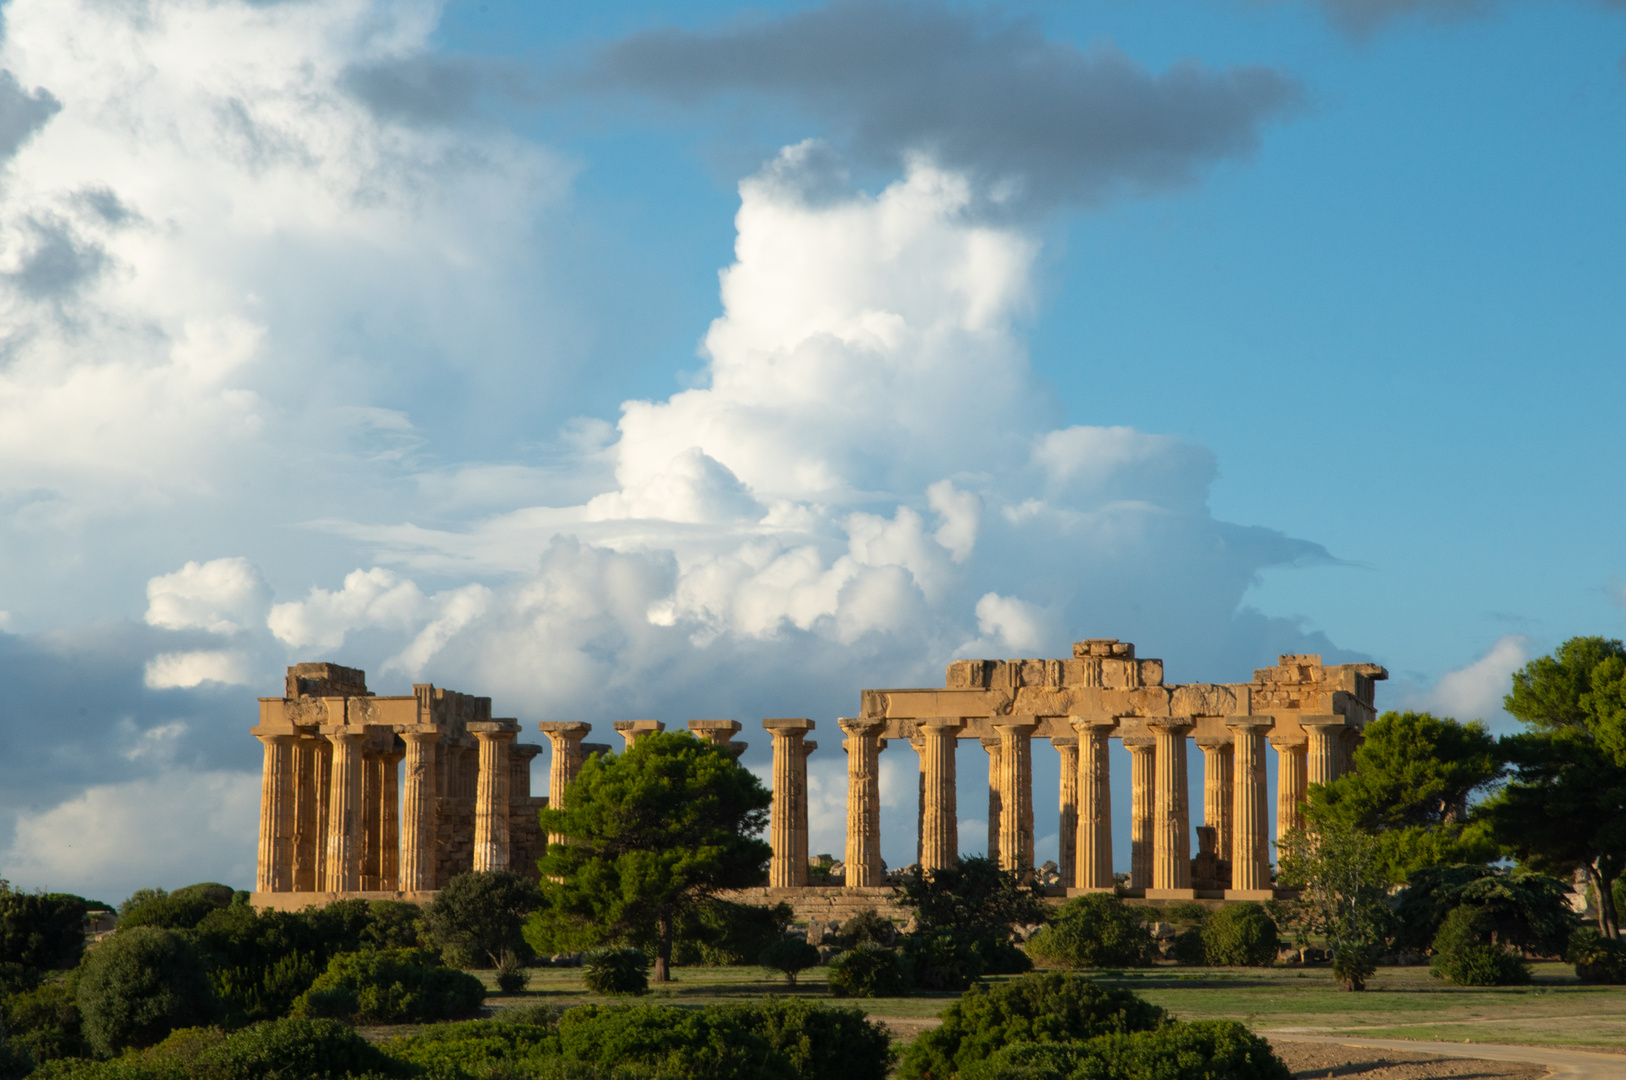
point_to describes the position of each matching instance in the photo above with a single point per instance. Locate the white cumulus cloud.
(1475, 691)
(186, 669)
(222, 596)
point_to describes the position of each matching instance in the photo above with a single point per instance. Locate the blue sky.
(692, 360)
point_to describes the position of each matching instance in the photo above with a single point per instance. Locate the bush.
(479, 916)
(1053, 1007)
(721, 933)
(1464, 955)
(869, 971)
(139, 985)
(484, 1048)
(1095, 930)
(616, 971)
(790, 957)
(182, 909)
(278, 1050)
(1597, 959)
(44, 1022)
(1240, 935)
(821, 1042)
(1187, 947)
(512, 976)
(15, 1062)
(1352, 965)
(867, 925)
(1209, 1049)
(673, 1044)
(41, 931)
(392, 986)
(964, 914)
(1527, 910)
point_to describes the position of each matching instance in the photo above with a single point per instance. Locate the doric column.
(1171, 828)
(1217, 788)
(788, 794)
(863, 745)
(468, 771)
(1325, 749)
(801, 856)
(345, 810)
(917, 743)
(276, 862)
(389, 852)
(1143, 789)
(1290, 781)
(1250, 853)
(1067, 806)
(566, 738)
(520, 756)
(995, 802)
(1093, 844)
(324, 796)
(307, 840)
(418, 798)
(717, 732)
(1016, 795)
(633, 730)
(940, 824)
(491, 793)
(372, 819)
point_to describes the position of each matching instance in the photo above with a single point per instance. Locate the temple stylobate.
(1310, 714)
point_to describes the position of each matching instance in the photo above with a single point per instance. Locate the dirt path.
(1562, 1064)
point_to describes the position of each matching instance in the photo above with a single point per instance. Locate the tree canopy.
(649, 834)
(1565, 807)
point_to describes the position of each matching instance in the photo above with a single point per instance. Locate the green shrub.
(1527, 910)
(482, 1048)
(1187, 947)
(278, 1050)
(1240, 935)
(1206, 1049)
(1597, 959)
(721, 933)
(478, 916)
(866, 925)
(963, 915)
(1352, 965)
(182, 909)
(44, 1022)
(790, 957)
(392, 924)
(821, 1042)
(672, 1044)
(139, 985)
(869, 971)
(41, 931)
(1464, 955)
(512, 976)
(15, 1062)
(616, 971)
(391, 986)
(1051, 1007)
(1095, 930)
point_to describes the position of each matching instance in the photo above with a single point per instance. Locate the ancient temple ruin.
(394, 795)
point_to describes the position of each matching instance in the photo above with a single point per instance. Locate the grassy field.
(1402, 1003)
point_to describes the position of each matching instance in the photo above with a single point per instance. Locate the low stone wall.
(298, 901)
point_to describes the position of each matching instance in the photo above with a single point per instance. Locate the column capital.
(792, 727)
(1250, 723)
(1139, 744)
(1089, 724)
(1016, 725)
(989, 743)
(637, 727)
(420, 736)
(862, 726)
(1322, 723)
(340, 733)
(475, 727)
(1286, 742)
(1059, 741)
(275, 736)
(808, 746)
(717, 731)
(498, 735)
(1217, 743)
(569, 730)
(948, 724)
(1171, 725)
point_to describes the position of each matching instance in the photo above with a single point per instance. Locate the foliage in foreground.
(1095, 930)
(139, 985)
(1596, 958)
(40, 932)
(1531, 911)
(278, 1050)
(869, 971)
(1204, 1050)
(790, 957)
(963, 918)
(391, 986)
(616, 971)
(1343, 887)
(1239, 935)
(480, 916)
(720, 933)
(1465, 954)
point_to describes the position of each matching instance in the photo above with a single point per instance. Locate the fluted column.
(1325, 749)
(1250, 853)
(324, 797)
(276, 862)
(520, 756)
(1290, 781)
(1217, 790)
(344, 834)
(633, 730)
(995, 802)
(940, 819)
(917, 743)
(1067, 807)
(1093, 842)
(1016, 795)
(491, 796)
(801, 856)
(566, 738)
(307, 839)
(372, 820)
(389, 852)
(788, 794)
(1143, 790)
(863, 745)
(418, 825)
(1171, 829)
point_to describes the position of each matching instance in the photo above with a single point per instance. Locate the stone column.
(519, 770)
(276, 862)
(1093, 844)
(372, 820)
(1290, 781)
(345, 810)
(468, 771)
(789, 794)
(1016, 795)
(633, 730)
(1217, 789)
(307, 839)
(1143, 781)
(566, 737)
(1250, 852)
(717, 732)
(940, 818)
(418, 832)
(1171, 828)
(1067, 805)
(1325, 750)
(995, 803)
(491, 795)
(389, 852)
(863, 745)
(324, 796)
(802, 839)
(917, 743)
